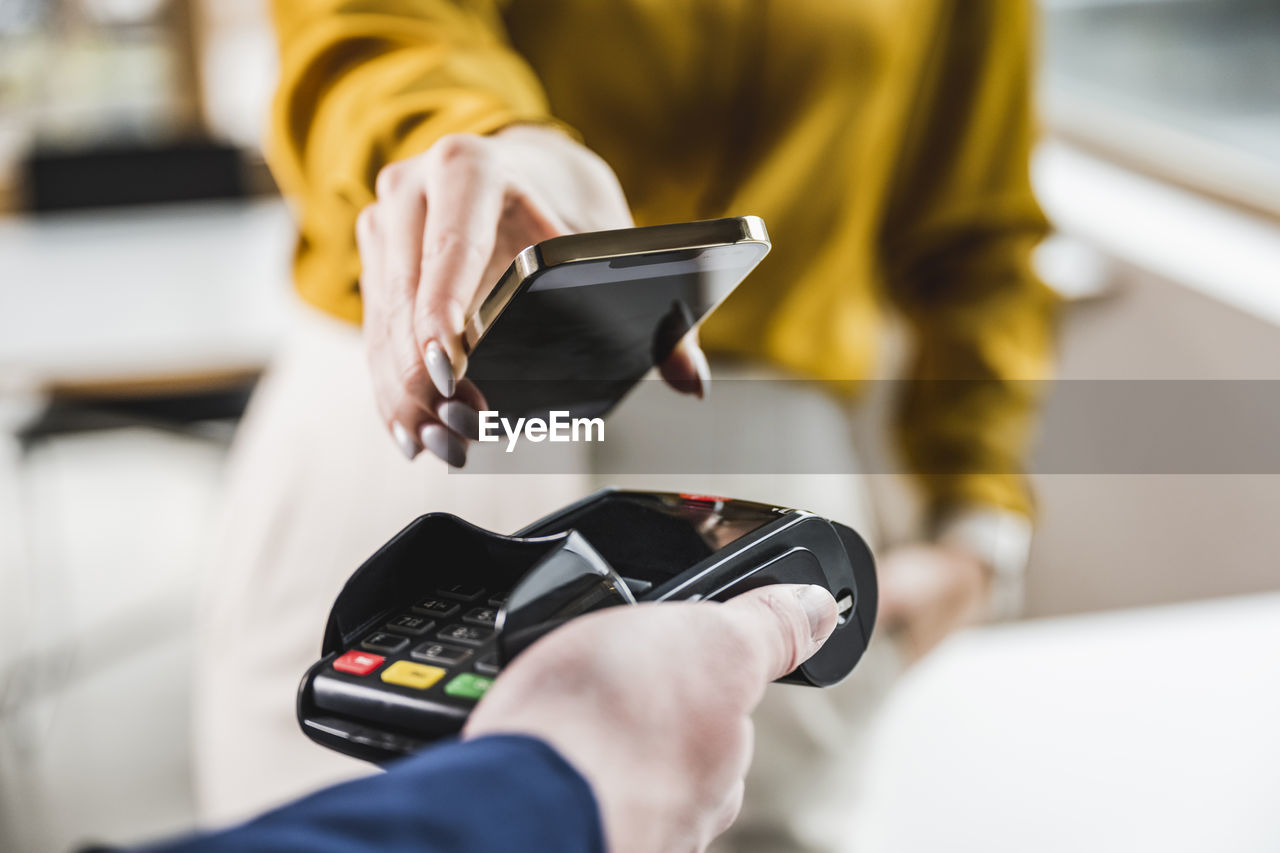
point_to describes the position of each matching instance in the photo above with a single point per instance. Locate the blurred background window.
(183, 79)
(74, 72)
(1185, 90)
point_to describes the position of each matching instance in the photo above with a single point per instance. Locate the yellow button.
(409, 674)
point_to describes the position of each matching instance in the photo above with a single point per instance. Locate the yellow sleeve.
(957, 240)
(364, 84)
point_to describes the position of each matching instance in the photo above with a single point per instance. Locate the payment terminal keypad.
(441, 653)
(411, 623)
(472, 635)
(462, 592)
(483, 616)
(413, 675)
(382, 641)
(440, 650)
(468, 686)
(437, 607)
(358, 663)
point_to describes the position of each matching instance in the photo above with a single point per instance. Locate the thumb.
(786, 623)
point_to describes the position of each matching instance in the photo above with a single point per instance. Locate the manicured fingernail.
(460, 418)
(404, 439)
(703, 370)
(439, 368)
(445, 444)
(820, 608)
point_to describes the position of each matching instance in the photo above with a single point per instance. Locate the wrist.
(535, 131)
(1000, 540)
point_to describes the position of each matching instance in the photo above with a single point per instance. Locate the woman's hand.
(445, 225)
(929, 591)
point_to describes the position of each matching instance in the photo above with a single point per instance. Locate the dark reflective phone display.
(577, 336)
(653, 537)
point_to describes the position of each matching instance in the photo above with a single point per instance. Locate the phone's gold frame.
(604, 245)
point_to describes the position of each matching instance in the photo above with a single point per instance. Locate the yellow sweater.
(885, 143)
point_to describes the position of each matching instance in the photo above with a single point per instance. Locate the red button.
(358, 663)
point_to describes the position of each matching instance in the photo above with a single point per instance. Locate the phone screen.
(654, 537)
(579, 335)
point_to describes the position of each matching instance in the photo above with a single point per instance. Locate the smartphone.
(576, 321)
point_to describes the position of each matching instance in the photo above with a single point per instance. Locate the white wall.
(1122, 540)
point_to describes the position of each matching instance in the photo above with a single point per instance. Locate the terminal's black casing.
(612, 547)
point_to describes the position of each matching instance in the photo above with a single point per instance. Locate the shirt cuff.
(1001, 539)
(499, 792)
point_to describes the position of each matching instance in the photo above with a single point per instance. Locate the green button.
(468, 686)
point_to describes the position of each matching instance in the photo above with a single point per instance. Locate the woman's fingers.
(401, 216)
(391, 236)
(407, 398)
(686, 369)
(461, 412)
(455, 425)
(465, 194)
(378, 330)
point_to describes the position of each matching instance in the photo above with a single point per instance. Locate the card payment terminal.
(420, 630)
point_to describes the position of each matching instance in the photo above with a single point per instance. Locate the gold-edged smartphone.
(576, 321)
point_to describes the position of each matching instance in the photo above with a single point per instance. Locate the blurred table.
(1150, 729)
(181, 300)
(171, 296)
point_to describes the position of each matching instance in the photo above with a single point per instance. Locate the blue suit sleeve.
(496, 793)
